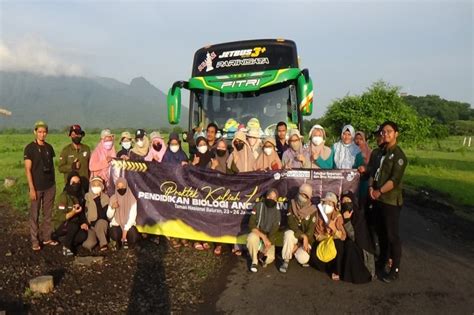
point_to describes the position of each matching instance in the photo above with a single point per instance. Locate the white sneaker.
(253, 268)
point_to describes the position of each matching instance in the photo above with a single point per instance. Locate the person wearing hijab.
(202, 158)
(241, 159)
(157, 148)
(296, 156)
(174, 153)
(347, 154)
(358, 261)
(219, 162)
(126, 143)
(73, 230)
(301, 222)
(268, 158)
(102, 156)
(255, 144)
(263, 225)
(140, 147)
(329, 222)
(96, 205)
(322, 157)
(122, 213)
(361, 141)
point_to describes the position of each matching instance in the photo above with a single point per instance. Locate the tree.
(441, 110)
(377, 104)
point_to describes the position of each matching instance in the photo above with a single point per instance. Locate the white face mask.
(328, 209)
(126, 145)
(268, 151)
(174, 148)
(140, 143)
(96, 190)
(202, 149)
(317, 140)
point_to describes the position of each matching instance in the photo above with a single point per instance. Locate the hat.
(106, 133)
(306, 189)
(254, 133)
(140, 133)
(253, 123)
(271, 140)
(301, 256)
(155, 134)
(294, 132)
(125, 135)
(77, 130)
(330, 197)
(41, 123)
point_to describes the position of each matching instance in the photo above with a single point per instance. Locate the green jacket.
(300, 227)
(69, 154)
(392, 167)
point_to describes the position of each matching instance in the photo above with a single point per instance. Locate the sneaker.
(392, 276)
(305, 265)
(67, 251)
(253, 268)
(125, 244)
(284, 267)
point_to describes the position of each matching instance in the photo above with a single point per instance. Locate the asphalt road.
(437, 277)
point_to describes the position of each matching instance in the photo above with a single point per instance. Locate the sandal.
(218, 250)
(198, 246)
(206, 246)
(236, 252)
(175, 243)
(335, 277)
(103, 248)
(185, 243)
(50, 243)
(36, 248)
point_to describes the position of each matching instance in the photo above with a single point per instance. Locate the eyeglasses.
(386, 132)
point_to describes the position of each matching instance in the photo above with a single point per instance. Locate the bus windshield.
(269, 106)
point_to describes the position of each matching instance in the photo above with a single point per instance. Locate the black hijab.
(75, 192)
(361, 231)
(204, 159)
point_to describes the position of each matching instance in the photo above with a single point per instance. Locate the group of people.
(93, 215)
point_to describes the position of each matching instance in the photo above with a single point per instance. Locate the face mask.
(220, 152)
(157, 146)
(75, 187)
(295, 145)
(76, 140)
(317, 140)
(96, 190)
(140, 143)
(202, 149)
(268, 151)
(174, 148)
(108, 145)
(122, 191)
(302, 199)
(328, 209)
(126, 145)
(270, 203)
(239, 146)
(252, 141)
(346, 206)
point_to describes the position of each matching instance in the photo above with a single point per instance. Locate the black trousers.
(71, 234)
(133, 236)
(333, 266)
(387, 225)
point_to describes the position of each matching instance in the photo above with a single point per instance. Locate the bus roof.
(245, 56)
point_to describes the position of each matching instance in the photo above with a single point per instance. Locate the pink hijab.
(364, 147)
(152, 153)
(98, 164)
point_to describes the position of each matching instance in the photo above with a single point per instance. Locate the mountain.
(93, 102)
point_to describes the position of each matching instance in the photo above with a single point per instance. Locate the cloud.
(36, 56)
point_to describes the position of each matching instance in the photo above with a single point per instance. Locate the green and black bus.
(256, 81)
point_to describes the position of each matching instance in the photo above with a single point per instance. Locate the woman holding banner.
(101, 157)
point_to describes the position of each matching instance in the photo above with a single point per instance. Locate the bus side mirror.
(305, 93)
(173, 101)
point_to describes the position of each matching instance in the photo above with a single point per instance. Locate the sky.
(425, 47)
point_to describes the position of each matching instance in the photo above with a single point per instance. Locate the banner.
(201, 204)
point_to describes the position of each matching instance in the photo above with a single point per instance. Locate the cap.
(125, 135)
(155, 134)
(140, 133)
(330, 197)
(106, 133)
(40, 123)
(77, 130)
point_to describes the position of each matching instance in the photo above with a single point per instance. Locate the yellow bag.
(326, 250)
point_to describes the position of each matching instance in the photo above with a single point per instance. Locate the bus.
(237, 84)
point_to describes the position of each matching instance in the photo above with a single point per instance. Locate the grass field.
(445, 166)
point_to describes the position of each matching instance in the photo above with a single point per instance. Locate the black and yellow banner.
(199, 204)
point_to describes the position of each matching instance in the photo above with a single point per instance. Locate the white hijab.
(345, 154)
